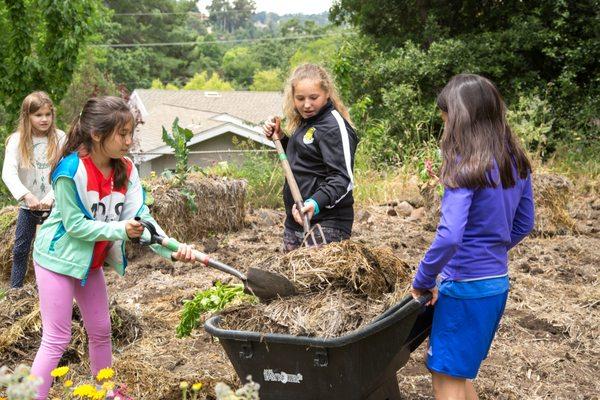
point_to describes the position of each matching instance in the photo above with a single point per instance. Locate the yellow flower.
(108, 385)
(68, 383)
(84, 391)
(197, 386)
(183, 385)
(99, 395)
(105, 373)
(59, 372)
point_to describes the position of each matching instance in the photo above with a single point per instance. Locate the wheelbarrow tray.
(359, 365)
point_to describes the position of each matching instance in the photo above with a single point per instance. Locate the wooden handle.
(289, 175)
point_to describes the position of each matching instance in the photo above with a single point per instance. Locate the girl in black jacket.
(320, 151)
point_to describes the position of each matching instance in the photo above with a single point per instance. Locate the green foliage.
(166, 22)
(526, 48)
(202, 82)
(531, 119)
(87, 81)
(229, 17)
(39, 46)
(320, 51)
(210, 300)
(157, 84)
(269, 80)
(2, 293)
(239, 65)
(262, 172)
(178, 140)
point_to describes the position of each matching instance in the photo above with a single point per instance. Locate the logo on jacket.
(309, 136)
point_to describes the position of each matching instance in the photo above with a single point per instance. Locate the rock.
(417, 213)
(210, 245)
(392, 212)
(267, 217)
(404, 209)
(363, 215)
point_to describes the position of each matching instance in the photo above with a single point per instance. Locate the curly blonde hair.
(313, 72)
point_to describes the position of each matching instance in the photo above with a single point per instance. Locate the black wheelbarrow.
(361, 365)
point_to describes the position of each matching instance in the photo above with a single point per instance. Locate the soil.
(547, 346)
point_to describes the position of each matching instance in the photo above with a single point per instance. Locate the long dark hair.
(476, 135)
(104, 116)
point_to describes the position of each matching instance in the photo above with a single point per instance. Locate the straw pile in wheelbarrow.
(341, 287)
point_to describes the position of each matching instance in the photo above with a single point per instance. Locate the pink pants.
(56, 293)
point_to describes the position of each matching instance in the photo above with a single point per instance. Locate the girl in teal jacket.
(98, 194)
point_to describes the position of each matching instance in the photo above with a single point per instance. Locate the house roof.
(205, 113)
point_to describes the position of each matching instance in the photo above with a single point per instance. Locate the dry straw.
(20, 328)
(219, 206)
(343, 286)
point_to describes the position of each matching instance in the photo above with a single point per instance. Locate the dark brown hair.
(102, 115)
(476, 135)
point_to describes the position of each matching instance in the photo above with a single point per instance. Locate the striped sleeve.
(337, 150)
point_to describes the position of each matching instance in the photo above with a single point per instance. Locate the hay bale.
(342, 287)
(552, 195)
(8, 223)
(219, 206)
(20, 328)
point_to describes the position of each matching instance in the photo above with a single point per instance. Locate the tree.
(239, 65)
(228, 17)
(202, 82)
(40, 43)
(87, 81)
(242, 13)
(538, 48)
(320, 51)
(162, 21)
(219, 14)
(267, 81)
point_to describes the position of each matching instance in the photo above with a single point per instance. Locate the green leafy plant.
(210, 300)
(178, 140)
(2, 294)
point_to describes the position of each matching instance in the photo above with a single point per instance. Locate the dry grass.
(8, 222)
(20, 328)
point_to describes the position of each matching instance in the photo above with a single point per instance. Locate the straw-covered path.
(547, 346)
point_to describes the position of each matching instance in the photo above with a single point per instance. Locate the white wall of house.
(219, 143)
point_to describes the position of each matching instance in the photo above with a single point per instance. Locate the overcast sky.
(285, 6)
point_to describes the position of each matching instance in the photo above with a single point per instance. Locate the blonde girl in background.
(30, 151)
(320, 150)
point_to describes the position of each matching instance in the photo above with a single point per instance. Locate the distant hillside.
(268, 18)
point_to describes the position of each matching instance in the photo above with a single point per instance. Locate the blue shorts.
(462, 333)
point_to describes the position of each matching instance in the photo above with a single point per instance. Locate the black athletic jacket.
(321, 155)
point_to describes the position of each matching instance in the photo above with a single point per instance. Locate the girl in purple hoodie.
(487, 208)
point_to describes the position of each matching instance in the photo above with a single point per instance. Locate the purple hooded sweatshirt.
(476, 230)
